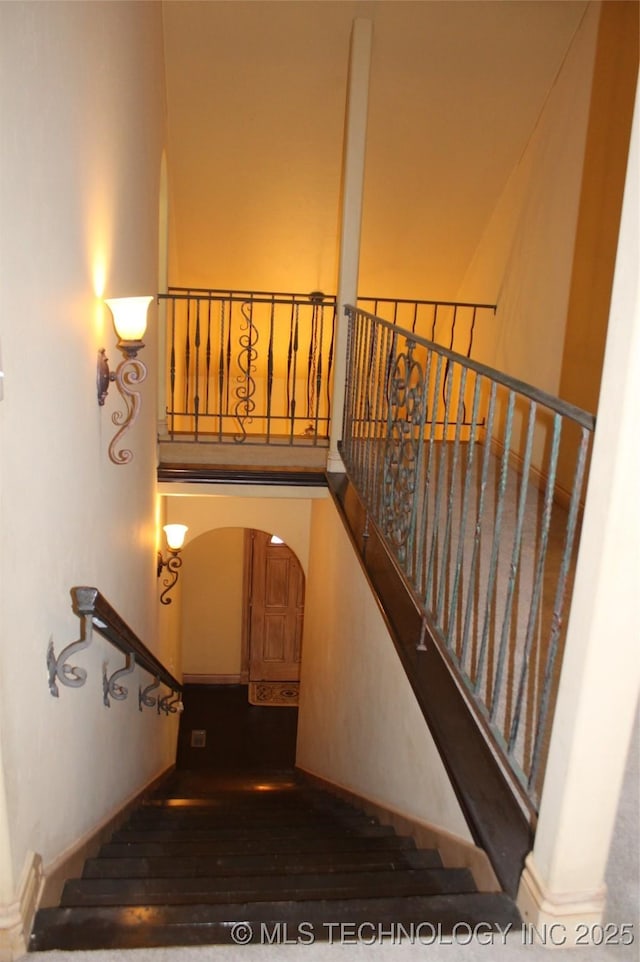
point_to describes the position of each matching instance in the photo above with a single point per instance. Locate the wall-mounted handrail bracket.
(145, 699)
(95, 612)
(70, 675)
(170, 703)
(110, 685)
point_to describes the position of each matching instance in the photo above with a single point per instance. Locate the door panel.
(276, 606)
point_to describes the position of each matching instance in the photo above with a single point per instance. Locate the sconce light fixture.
(175, 539)
(130, 322)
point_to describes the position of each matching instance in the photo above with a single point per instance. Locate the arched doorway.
(242, 603)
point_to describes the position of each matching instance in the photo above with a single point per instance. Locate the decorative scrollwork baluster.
(406, 399)
(173, 565)
(245, 405)
(110, 686)
(129, 373)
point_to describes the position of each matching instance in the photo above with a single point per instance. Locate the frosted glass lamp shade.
(175, 535)
(129, 316)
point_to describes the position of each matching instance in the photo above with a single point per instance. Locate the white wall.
(359, 723)
(81, 101)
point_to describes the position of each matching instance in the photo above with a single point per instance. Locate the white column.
(563, 881)
(163, 280)
(352, 191)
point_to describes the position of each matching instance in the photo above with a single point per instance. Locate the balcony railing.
(251, 367)
(474, 481)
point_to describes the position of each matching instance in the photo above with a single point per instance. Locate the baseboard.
(241, 679)
(70, 863)
(568, 914)
(17, 917)
(454, 852)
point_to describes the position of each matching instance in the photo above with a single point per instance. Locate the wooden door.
(276, 610)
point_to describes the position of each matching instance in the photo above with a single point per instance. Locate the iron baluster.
(471, 447)
(558, 607)
(478, 530)
(196, 380)
(493, 564)
(515, 560)
(446, 540)
(270, 369)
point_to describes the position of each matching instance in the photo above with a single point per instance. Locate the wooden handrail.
(96, 613)
(107, 621)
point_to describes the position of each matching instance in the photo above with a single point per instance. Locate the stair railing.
(95, 612)
(474, 480)
(255, 367)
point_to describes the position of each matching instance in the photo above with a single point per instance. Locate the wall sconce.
(130, 322)
(175, 539)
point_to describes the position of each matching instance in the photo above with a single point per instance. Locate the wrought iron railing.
(475, 481)
(450, 323)
(249, 366)
(255, 367)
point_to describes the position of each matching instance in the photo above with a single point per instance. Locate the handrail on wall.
(95, 612)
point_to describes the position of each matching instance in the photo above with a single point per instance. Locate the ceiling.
(256, 104)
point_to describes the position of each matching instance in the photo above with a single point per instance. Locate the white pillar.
(563, 881)
(352, 191)
(163, 280)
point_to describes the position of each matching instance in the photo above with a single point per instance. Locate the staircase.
(258, 859)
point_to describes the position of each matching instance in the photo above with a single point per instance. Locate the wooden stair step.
(258, 845)
(137, 833)
(170, 925)
(236, 820)
(277, 862)
(224, 890)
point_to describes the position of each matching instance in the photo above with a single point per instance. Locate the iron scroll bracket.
(111, 688)
(145, 698)
(73, 676)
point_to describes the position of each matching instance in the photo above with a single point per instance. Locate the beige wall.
(82, 109)
(359, 723)
(524, 260)
(279, 513)
(212, 596)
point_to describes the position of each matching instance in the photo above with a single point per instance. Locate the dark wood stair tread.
(258, 844)
(223, 889)
(269, 863)
(166, 925)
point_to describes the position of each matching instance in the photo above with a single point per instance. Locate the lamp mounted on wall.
(130, 322)
(175, 539)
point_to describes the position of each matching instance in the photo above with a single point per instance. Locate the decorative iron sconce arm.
(173, 565)
(130, 320)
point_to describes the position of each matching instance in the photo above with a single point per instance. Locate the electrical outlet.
(198, 738)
